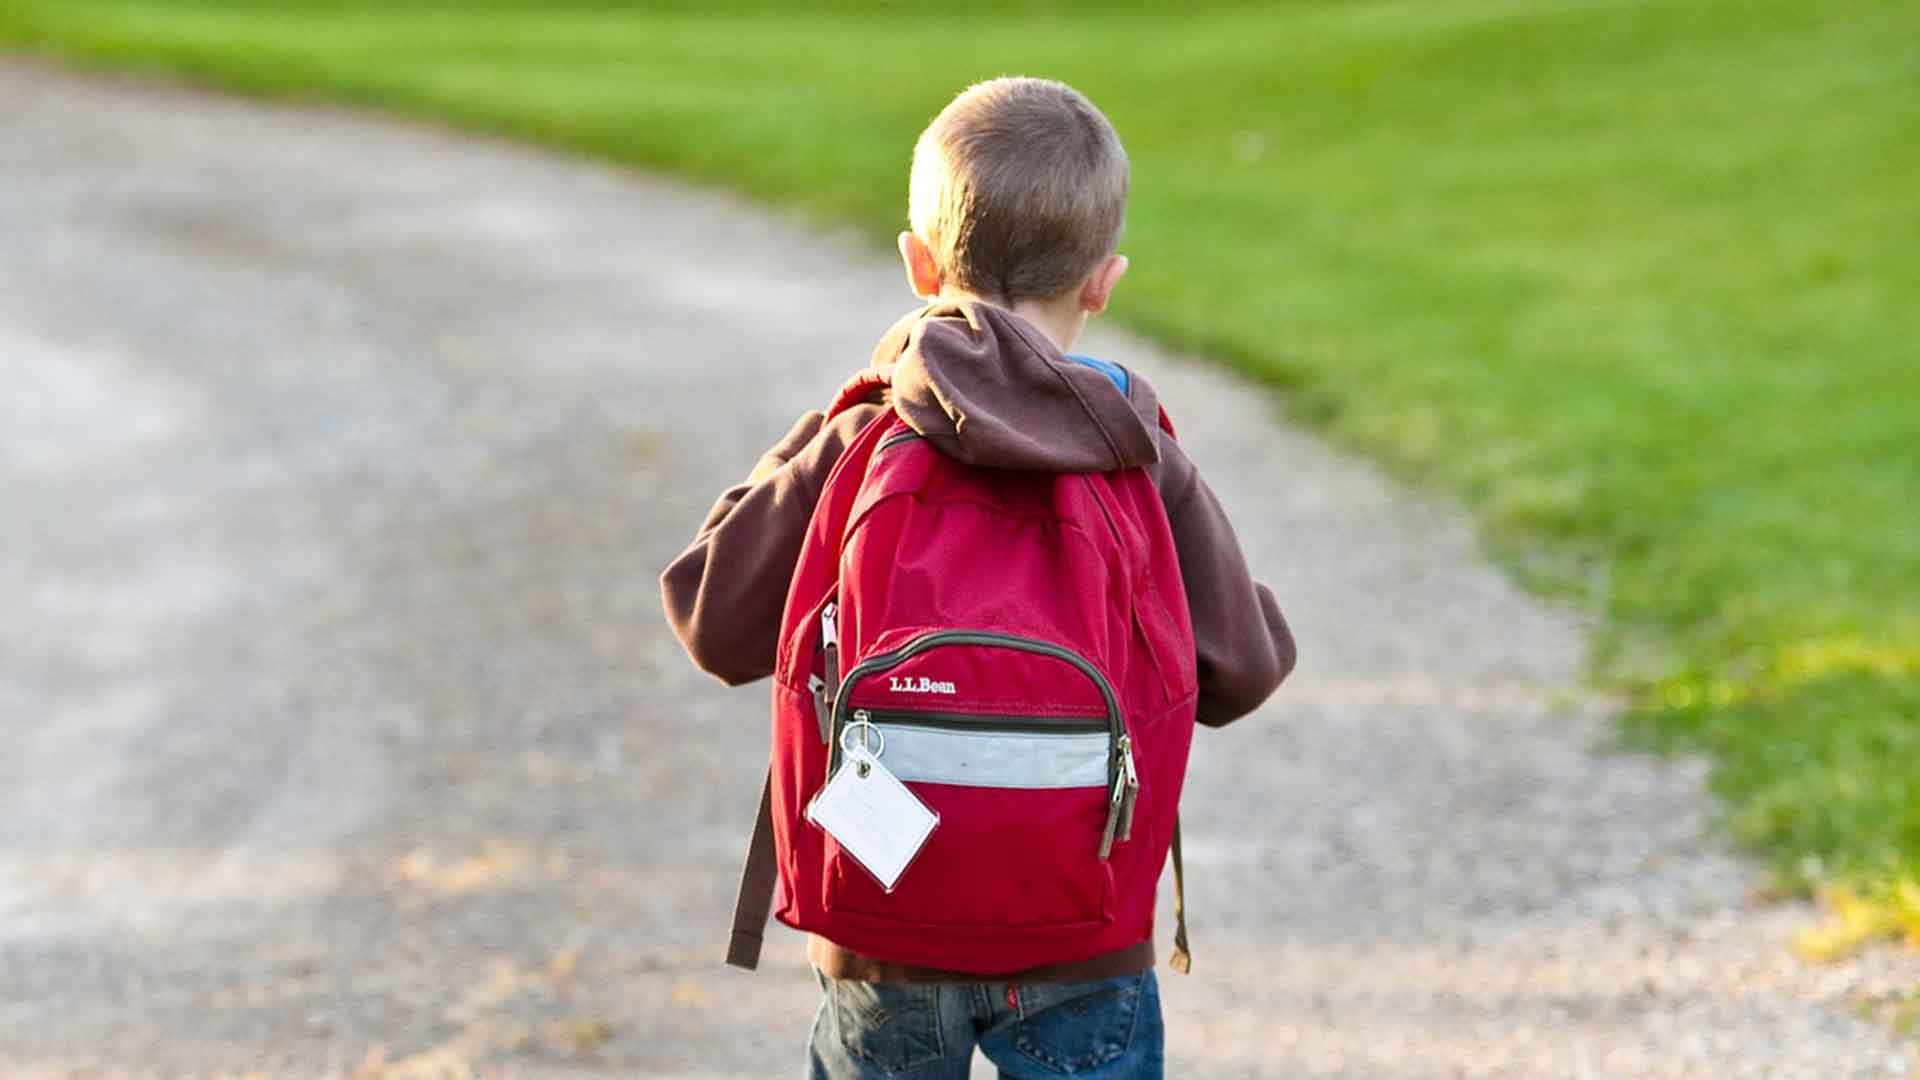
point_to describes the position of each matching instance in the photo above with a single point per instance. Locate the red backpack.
(1019, 643)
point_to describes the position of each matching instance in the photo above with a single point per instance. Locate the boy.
(1017, 196)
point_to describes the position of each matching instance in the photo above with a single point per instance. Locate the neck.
(1060, 323)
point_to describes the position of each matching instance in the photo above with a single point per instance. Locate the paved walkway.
(337, 460)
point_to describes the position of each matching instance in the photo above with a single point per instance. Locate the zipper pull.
(820, 711)
(1118, 805)
(1130, 788)
(830, 684)
(1113, 822)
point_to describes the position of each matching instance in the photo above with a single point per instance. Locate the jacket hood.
(987, 388)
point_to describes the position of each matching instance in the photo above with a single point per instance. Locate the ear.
(923, 274)
(1098, 288)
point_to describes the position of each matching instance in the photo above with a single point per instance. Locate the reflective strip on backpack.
(1004, 759)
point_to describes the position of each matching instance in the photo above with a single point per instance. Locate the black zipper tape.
(1026, 725)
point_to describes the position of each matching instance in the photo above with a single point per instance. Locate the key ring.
(869, 736)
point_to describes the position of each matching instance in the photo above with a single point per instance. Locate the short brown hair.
(1020, 188)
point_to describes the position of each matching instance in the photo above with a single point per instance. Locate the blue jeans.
(1105, 1030)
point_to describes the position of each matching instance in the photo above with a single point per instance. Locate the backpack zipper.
(945, 721)
(1123, 782)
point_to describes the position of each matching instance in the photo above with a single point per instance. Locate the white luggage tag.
(869, 811)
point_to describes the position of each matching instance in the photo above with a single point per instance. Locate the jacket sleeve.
(1241, 640)
(726, 592)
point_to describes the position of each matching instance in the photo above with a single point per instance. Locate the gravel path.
(337, 461)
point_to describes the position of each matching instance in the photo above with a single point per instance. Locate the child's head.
(1018, 193)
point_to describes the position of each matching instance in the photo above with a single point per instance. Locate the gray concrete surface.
(338, 457)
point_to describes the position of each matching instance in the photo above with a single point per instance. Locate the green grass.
(1638, 280)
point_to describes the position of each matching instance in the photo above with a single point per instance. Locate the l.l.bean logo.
(920, 685)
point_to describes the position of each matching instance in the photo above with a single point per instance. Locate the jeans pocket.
(892, 1027)
(1074, 1027)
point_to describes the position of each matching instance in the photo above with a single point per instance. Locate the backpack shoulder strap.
(759, 875)
(1182, 955)
(754, 902)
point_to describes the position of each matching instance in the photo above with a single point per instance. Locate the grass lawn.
(1638, 280)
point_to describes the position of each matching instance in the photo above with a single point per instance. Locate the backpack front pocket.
(1022, 811)
(1029, 803)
